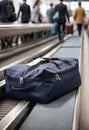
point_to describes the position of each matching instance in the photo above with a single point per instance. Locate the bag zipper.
(57, 76)
(21, 79)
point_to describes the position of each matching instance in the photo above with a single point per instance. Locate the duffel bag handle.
(31, 68)
(46, 60)
(27, 89)
(52, 60)
(66, 61)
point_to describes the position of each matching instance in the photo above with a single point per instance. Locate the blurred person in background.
(25, 11)
(3, 11)
(36, 13)
(3, 19)
(63, 15)
(5, 42)
(36, 16)
(79, 16)
(11, 15)
(50, 13)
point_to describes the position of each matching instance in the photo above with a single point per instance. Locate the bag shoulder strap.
(41, 61)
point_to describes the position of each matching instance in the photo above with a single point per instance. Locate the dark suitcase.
(85, 25)
(43, 82)
(69, 28)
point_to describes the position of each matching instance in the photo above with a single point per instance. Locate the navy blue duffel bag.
(43, 82)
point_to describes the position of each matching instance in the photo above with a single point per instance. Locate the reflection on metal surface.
(84, 97)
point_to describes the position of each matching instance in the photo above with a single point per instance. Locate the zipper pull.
(57, 77)
(21, 80)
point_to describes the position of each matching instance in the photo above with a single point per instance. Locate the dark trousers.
(3, 44)
(6, 42)
(25, 37)
(61, 31)
(79, 28)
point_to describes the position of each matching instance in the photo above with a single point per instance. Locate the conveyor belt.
(57, 115)
(6, 105)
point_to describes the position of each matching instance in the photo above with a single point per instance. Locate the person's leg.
(8, 41)
(80, 29)
(59, 31)
(17, 40)
(63, 31)
(2, 44)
